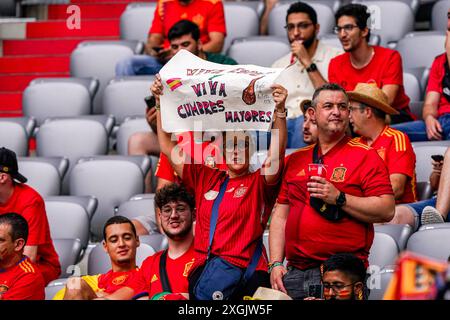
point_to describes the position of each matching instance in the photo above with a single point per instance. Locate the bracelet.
(274, 264)
(157, 106)
(281, 115)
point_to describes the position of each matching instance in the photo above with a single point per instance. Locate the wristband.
(281, 115)
(274, 264)
(157, 106)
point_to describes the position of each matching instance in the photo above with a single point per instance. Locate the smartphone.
(150, 101)
(157, 49)
(315, 291)
(437, 157)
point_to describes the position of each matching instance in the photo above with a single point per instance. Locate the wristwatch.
(312, 67)
(340, 199)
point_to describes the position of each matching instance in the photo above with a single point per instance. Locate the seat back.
(439, 15)
(157, 241)
(412, 86)
(128, 127)
(141, 207)
(14, 137)
(379, 282)
(88, 203)
(53, 287)
(384, 251)
(399, 232)
(241, 21)
(423, 159)
(136, 20)
(68, 251)
(431, 242)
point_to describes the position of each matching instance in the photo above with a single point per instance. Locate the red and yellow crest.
(120, 279)
(240, 192)
(338, 174)
(187, 267)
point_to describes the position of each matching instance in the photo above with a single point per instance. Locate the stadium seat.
(8, 8)
(412, 86)
(124, 96)
(98, 59)
(399, 232)
(99, 261)
(431, 242)
(423, 190)
(157, 241)
(53, 287)
(139, 207)
(423, 151)
(413, 4)
(391, 20)
(384, 250)
(411, 47)
(277, 18)
(445, 225)
(439, 15)
(378, 283)
(332, 39)
(72, 138)
(241, 21)
(111, 179)
(47, 97)
(243, 50)
(68, 251)
(416, 108)
(89, 203)
(44, 174)
(14, 134)
(136, 20)
(68, 220)
(128, 127)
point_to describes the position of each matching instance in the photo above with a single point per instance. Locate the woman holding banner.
(233, 207)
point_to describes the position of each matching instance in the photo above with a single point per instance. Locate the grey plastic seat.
(241, 21)
(44, 174)
(243, 50)
(332, 39)
(384, 250)
(416, 108)
(111, 179)
(28, 123)
(412, 86)
(399, 232)
(124, 97)
(53, 287)
(128, 127)
(89, 203)
(47, 97)
(139, 207)
(413, 4)
(391, 20)
(423, 152)
(411, 48)
(439, 15)
(68, 251)
(423, 190)
(136, 20)
(99, 261)
(157, 241)
(379, 282)
(14, 134)
(431, 242)
(277, 18)
(98, 59)
(68, 219)
(430, 226)
(72, 138)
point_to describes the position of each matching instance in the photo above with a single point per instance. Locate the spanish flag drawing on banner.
(174, 83)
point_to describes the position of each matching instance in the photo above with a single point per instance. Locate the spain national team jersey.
(243, 213)
(310, 238)
(395, 149)
(177, 272)
(23, 281)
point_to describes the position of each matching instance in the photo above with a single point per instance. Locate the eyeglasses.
(352, 109)
(180, 210)
(347, 28)
(240, 145)
(336, 287)
(300, 25)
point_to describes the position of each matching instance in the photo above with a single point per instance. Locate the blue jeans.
(417, 208)
(138, 65)
(295, 133)
(417, 131)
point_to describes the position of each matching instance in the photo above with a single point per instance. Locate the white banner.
(214, 96)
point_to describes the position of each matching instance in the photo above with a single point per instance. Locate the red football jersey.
(385, 68)
(23, 281)
(111, 281)
(207, 14)
(177, 271)
(310, 238)
(437, 73)
(395, 149)
(243, 213)
(29, 204)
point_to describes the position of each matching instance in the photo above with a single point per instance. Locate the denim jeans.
(300, 284)
(138, 65)
(417, 131)
(417, 208)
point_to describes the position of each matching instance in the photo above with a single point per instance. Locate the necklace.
(370, 59)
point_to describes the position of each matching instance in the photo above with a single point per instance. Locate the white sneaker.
(431, 215)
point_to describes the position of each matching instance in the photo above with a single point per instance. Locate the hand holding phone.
(150, 101)
(437, 157)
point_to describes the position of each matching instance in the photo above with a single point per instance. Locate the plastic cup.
(317, 169)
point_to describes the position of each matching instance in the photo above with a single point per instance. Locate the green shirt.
(219, 58)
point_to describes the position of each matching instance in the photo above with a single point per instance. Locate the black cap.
(8, 164)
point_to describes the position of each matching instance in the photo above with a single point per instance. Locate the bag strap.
(215, 213)
(316, 158)
(163, 273)
(253, 263)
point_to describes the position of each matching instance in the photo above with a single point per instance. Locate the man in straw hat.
(368, 109)
(323, 213)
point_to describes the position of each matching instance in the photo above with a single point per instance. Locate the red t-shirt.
(437, 73)
(177, 271)
(395, 149)
(385, 68)
(243, 213)
(28, 203)
(23, 281)
(198, 153)
(310, 238)
(111, 281)
(207, 14)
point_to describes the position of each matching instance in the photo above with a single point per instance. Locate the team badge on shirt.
(154, 278)
(3, 288)
(301, 173)
(120, 279)
(382, 153)
(211, 195)
(338, 174)
(240, 192)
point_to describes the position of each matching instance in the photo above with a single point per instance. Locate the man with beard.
(362, 62)
(318, 216)
(309, 59)
(165, 273)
